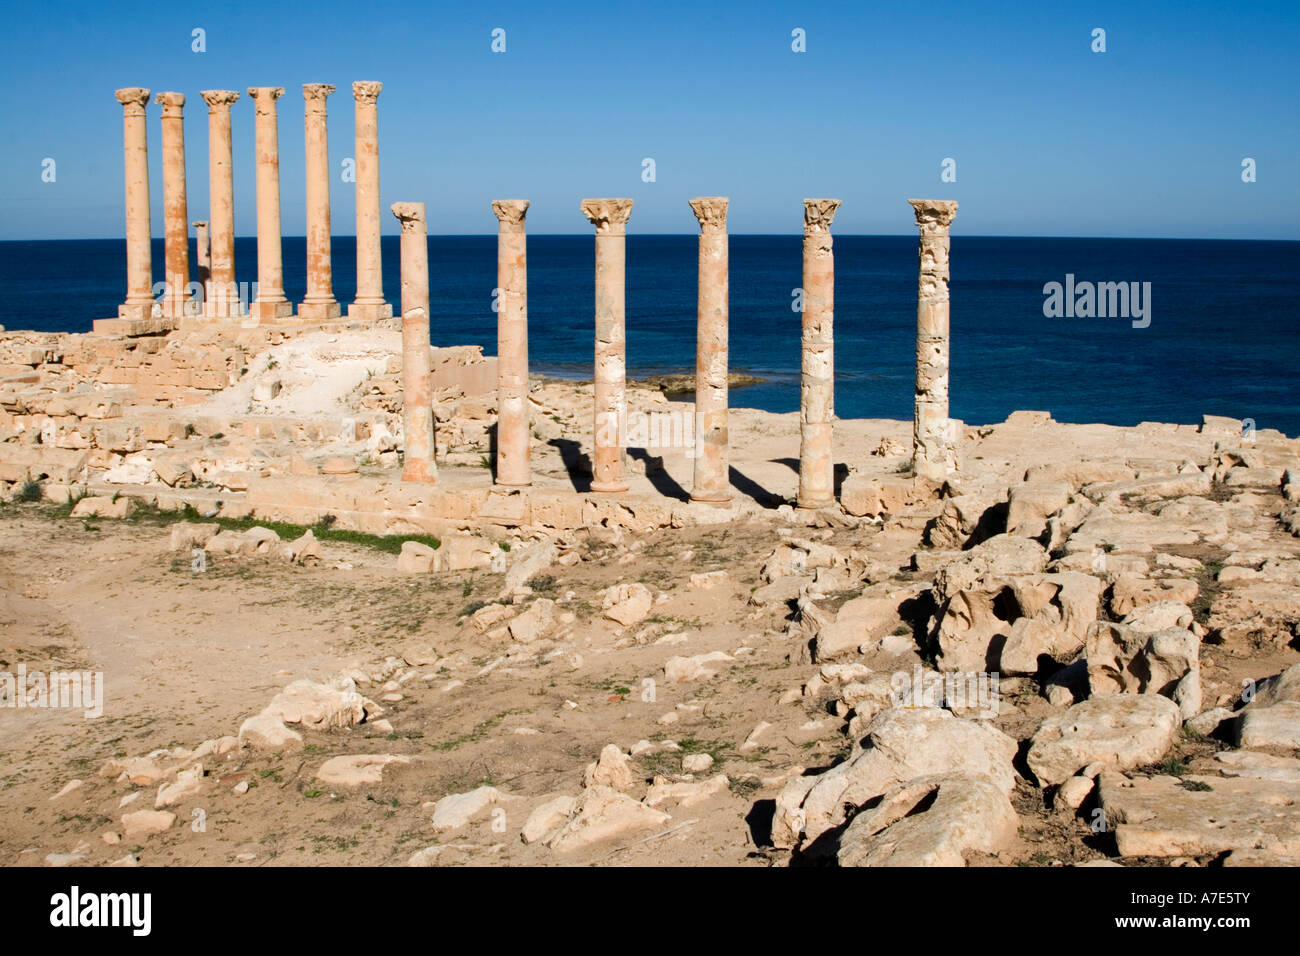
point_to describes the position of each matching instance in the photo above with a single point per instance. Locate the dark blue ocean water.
(1222, 339)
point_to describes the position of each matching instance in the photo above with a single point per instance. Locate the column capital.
(316, 92)
(711, 211)
(172, 103)
(510, 211)
(609, 216)
(216, 99)
(199, 224)
(934, 215)
(410, 215)
(265, 97)
(818, 214)
(366, 91)
(134, 98)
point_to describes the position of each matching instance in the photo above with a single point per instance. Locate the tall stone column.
(369, 304)
(139, 258)
(417, 388)
(610, 379)
(817, 367)
(270, 302)
(176, 227)
(319, 302)
(712, 482)
(512, 344)
(202, 257)
(223, 295)
(932, 451)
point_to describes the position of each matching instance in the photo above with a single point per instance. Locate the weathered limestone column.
(139, 258)
(369, 304)
(270, 302)
(817, 372)
(202, 257)
(932, 451)
(319, 302)
(512, 344)
(712, 482)
(176, 228)
(223, 296)
(610, 379)
(417, 388)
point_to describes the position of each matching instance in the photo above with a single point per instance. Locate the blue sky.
(1049, 138)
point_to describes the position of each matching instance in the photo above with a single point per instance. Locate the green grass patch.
(323, 529)
(1172, 766)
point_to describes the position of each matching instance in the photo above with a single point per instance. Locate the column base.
(224, 310)
(135, 310)
(271, 309)
(608, 487)
(704, 498)
(934, 471)
(370, 311)
(512, 484)
(316, 311)
(425, 472)
(814, 504)
(179, 308)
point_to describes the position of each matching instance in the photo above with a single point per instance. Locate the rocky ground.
(776, 690)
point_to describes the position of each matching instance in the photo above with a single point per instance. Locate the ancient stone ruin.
(924, 643)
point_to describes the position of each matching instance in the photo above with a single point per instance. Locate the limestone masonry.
(925, 643)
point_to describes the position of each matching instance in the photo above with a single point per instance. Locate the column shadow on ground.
(841, 470)
(576, 463)
(658, 476)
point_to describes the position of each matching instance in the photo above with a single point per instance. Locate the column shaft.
(817, 366)
(319, 302)
(270, 303)
(712, 481)
(610, 377)
(202, 258)
(222, 294)
(417, 388)
(512, 345)
(369, 304)
(176, 229)
(933, 454)
(139, 257)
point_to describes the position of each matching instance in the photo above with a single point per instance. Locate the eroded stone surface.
(1123, 732)
(1160, 816)
(933, 821)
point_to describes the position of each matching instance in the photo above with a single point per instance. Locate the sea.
(1218, 333)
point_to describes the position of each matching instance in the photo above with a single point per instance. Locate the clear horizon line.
(764, 235)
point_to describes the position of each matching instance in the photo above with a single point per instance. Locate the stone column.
(176, 228)
(817, 371)
(369, 304)
(202, 257)
(223, 296)
(139, 258)
(270, 302)
(417, 389)
(319, 302)
(610, 379)
(512, 344)
(712, 482)
(932, 451)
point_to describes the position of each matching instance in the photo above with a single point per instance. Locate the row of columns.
(933, 453)
(217, 234)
